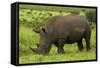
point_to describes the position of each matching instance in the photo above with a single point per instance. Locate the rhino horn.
(34, 49)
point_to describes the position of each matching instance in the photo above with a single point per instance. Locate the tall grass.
(29, 38)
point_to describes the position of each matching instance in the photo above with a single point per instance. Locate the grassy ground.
(29, 38)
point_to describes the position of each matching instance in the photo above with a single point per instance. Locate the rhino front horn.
(34, 49)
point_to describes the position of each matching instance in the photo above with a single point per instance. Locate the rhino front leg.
(60, 46)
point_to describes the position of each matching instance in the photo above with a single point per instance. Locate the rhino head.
(44, 44)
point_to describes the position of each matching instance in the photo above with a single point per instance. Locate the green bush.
(74, 12)
(36, 18)
(91, 15)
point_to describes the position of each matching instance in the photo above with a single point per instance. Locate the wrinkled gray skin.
(60, 30)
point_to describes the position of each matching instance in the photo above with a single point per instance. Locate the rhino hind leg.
(87, 39)
(88, 45)
(80, 45)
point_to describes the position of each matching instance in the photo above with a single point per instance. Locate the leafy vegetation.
(32, 16)
(91, 15)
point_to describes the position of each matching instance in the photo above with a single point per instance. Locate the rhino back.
(62, 26)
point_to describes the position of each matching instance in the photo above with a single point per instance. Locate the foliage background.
(34, 17)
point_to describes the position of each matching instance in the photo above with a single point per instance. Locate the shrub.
(91, 15)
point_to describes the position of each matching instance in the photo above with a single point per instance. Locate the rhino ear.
(43, 29)
(37, 45)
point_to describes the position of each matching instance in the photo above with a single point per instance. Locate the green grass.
(32, 16)
(29, 38)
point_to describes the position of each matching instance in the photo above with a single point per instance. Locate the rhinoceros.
(60, 30)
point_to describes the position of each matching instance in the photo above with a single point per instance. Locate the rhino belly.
(74, 36)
